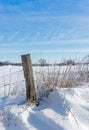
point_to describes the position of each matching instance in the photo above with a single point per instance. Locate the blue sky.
(50, 29)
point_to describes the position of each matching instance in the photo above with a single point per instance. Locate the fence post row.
(29, 79)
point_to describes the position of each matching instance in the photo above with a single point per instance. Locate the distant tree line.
(43, 62)
(9, 63)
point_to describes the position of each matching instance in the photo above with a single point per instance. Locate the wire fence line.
(11, 73)
(8, 75)
(20, 72)
(13, 79)
(1, 85)
(15, 73)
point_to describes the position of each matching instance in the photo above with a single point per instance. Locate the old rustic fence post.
(29, 79)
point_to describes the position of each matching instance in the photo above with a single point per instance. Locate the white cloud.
(62, 51)
(36, 36)
(24, 38)
(9, 51)
(13, 36)
(45, 42)
(61, 42)
(1, 37)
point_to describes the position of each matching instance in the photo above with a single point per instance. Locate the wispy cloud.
(1, 37)
(45, 26)
(9, 51)
(62, 51)
(65, 42)
(13, 36)
(45, 51)
(45, 42)
(36, 36)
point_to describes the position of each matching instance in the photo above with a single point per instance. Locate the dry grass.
(83, 73)
(70, 76)
(53, 77)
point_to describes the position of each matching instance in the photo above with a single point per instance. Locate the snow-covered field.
(62, 109)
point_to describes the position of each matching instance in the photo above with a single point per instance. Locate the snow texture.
(62, 109)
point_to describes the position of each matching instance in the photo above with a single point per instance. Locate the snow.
(62, 109)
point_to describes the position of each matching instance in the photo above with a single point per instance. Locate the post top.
(25, 55)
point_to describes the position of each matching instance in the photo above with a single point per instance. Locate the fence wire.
(10, 81)
(14, 79)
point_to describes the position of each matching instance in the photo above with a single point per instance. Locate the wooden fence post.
(29, 79)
